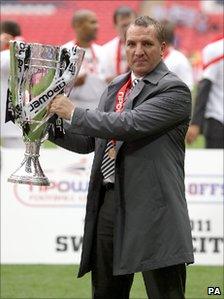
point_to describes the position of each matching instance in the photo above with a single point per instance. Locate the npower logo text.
(60, 193)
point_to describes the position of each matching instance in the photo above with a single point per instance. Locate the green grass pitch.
(59, 281)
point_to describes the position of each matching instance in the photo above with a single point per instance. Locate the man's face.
(89, 27)
(143, 49)
(122, 23)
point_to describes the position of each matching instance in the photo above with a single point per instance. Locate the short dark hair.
(10, 27)
(123, 11)
(145, 21)
(169, 31)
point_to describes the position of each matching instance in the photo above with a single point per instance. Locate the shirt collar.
(133, 77)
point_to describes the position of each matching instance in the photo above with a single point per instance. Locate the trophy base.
(29, 181)
(30, 171)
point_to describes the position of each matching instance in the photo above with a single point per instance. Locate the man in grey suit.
(136, 213)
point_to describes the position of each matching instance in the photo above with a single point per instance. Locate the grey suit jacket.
(152, 227)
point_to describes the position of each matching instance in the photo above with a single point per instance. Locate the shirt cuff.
(70, 120)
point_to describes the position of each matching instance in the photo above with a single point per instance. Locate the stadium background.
(29, 217)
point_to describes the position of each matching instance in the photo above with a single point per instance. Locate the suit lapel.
(133, 94)
(112, 92)
(153, 78)
(111, 99)
(129, 104)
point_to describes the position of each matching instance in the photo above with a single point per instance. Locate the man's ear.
(163, 48)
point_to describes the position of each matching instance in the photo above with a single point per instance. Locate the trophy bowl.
(37, 74)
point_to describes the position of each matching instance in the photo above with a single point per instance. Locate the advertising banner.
(45, 224)
(204, 194)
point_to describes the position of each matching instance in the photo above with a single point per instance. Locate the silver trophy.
(37, 74)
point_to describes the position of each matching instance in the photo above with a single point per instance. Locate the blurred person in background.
(11, 136)
(208, 116)
(136, 213)
(9, 30)
(174, 59)
(90, 82)
(115, 63)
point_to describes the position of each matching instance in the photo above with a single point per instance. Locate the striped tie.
(135, 82)
(108, 163)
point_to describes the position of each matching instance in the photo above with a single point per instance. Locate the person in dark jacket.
(136, 214)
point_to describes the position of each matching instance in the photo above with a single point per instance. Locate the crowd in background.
(102, 63)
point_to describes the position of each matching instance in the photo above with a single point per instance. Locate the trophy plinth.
(30, 171)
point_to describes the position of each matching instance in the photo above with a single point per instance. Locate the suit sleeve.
(153, 116)
(73, 139)
(74, 142)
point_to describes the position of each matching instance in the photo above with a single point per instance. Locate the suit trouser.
(163, 283)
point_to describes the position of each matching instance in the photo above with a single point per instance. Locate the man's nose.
(139, 50)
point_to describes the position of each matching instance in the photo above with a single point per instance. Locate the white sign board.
(45, 224)
(204, 193)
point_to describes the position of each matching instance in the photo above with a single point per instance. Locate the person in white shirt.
(11, 135)
(208, 116)
(90, 83)
(174, 59)
(115, 63)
